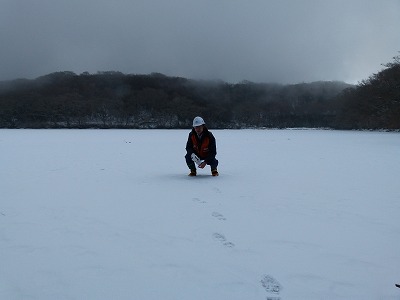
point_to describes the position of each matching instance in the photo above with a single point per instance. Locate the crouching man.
(201, 148)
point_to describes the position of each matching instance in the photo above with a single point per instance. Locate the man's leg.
(214, 164)
(190, 165)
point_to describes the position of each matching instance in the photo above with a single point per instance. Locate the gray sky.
(284, 41)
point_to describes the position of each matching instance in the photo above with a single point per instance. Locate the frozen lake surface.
(112, 214)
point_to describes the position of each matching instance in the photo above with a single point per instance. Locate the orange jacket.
(204, 147)
(200, 147)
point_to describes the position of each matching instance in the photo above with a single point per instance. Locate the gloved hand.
(198, 161)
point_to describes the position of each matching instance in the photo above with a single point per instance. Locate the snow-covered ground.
(112, 214)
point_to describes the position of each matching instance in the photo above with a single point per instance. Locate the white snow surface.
(112, 214)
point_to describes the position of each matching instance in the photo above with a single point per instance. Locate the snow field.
(112, 214)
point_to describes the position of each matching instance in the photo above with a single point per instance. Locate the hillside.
(116, 100)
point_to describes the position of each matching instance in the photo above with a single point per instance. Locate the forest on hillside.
(116, 100)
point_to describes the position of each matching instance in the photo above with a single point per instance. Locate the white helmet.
(198, 121)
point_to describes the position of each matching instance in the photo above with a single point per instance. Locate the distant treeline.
(116, 100)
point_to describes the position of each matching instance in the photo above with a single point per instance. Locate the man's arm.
(189, 145)
(212, 149)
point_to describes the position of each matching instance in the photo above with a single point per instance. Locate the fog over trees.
(116, 100)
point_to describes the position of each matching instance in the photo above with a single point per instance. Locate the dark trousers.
(213, 163)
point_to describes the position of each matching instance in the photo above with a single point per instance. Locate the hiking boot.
(214, 172)
(192, 173)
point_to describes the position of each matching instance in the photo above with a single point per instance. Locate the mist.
(261, 41)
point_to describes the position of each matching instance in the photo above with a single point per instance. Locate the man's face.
(199, 129)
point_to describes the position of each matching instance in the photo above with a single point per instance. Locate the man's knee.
(214, 163)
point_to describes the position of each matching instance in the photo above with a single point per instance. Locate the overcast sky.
(283, 41)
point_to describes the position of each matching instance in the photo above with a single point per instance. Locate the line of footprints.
(269, 283)
(218, 236)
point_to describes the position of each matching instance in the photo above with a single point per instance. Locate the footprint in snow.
(222, 239)
(271, 285)
(198, 200)
(218, 216)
